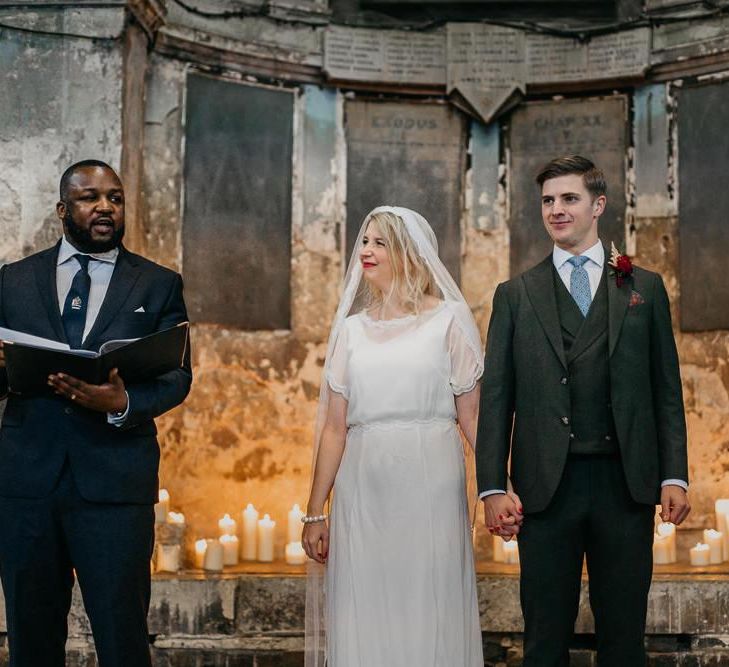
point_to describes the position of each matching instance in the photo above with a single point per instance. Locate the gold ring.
(73, 397)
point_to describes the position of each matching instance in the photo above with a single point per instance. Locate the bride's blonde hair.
(411, 277)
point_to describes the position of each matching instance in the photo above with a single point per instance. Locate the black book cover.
(28, 366)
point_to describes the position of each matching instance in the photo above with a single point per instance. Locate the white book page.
(13, 336)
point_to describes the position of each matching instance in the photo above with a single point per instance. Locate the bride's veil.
(426, 245)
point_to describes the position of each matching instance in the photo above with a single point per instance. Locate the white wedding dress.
(400, 581)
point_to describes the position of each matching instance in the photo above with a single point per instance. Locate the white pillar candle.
(177, 518)
(162, 507)
(227, 526)
(721, 508)
(511, 552)
(498, 549)
(669, 530)
(213, 556)
(266, 529)
(168, 557)
(295, 525)
(700, 554)
(250, 529)
(230, 549)
(295, 554)
(715, 540)
(200, 549)
(661, 549)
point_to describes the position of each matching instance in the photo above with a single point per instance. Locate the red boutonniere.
(621, 265)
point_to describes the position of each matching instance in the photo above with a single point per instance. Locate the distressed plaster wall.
(60, 101)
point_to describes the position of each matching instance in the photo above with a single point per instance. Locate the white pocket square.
(140, 309)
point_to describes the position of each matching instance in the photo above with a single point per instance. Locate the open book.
(29, 360)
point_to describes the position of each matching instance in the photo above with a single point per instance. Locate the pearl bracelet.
(313, 519)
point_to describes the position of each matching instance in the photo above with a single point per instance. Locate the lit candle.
(230, 549)
(661, 549)
(176, 518)
(700, 554)
(295, 525)
(669, 530)
(498, 549)
(201, 547)
(227, 525)
(162, 508)
(168, 557)
(715, 540)
(213, 556)
(511, 552)
(265, 539)
(295, 554)
(721, 507)
(250, 528)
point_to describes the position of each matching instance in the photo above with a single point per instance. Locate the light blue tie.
(580, 284)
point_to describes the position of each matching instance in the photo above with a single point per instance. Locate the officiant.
(79, 462)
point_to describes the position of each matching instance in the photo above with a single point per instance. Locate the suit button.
(566, 421)
(572, 436)
(608, 438)
(68, 411)
(563, 380)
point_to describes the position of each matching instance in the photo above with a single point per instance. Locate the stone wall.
(257, 620)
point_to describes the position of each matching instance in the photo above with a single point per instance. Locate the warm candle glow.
(715, 541)
(162, 507)
(227, 525)
(295, 554)
(178, 518)
(700, 555)
(249, 533)
(295, 525)
(200, 549)
(511, 552)
(266, 529)
(230, 549)
(168, 557)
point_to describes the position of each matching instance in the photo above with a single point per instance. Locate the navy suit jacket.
(39, 433)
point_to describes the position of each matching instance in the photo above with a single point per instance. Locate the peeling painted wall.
(60, 101)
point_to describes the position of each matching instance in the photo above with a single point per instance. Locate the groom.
(582, 389)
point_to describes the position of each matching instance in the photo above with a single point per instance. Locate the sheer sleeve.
(338, 371)
(466, 362)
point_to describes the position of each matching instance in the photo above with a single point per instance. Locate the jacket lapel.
(618, 299)
(45, 276)
(539, 284)
(124, 277)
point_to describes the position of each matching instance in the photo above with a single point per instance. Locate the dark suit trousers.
(42, 541)
(591, 516)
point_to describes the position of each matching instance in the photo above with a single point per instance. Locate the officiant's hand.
(315, 540)
(108, 397)
(2, 355)
(674, 504)
(503, 514)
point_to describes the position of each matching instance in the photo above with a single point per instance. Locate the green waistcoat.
(585, 341)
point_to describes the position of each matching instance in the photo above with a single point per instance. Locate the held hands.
(315, 540)
(504, 514)
(107, 397)
(674, 504)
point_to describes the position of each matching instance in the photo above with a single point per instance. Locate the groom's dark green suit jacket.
(525, 394)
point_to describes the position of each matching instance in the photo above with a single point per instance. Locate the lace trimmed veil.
(426, 245)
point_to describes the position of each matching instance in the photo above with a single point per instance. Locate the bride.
(401, 375)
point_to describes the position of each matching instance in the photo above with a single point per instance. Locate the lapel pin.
(76, 303)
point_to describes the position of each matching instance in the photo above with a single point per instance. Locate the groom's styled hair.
(592, 177)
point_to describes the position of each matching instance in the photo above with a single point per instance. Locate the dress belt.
(400, 423)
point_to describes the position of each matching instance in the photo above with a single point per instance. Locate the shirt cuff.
(490, 492)
(117, 419)
(675, 482)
